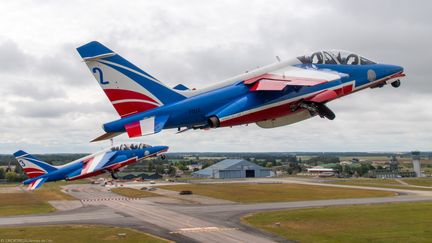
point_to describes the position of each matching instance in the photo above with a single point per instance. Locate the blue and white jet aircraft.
(276, 95)
(108, 160)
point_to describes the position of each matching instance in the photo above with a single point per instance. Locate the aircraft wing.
(92, 166)
(36, 183)
(290, 76)
(97, 162)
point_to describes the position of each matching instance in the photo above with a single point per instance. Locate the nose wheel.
(396, 84)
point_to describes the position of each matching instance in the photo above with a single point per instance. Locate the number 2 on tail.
(101, 79)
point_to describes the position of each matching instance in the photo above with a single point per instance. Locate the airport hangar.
(233, 168)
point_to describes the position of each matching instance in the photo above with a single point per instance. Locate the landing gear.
(162, 157)
(324, 111)
(114, 174)
(396, 84)
(318, 109)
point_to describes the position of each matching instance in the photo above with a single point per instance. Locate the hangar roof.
(229, 164)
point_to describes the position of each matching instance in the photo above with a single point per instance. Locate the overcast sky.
(51, 103)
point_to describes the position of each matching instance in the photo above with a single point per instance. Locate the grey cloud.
(207, 66)
(57, 108)
(62, 66)
(12, 58)
(33, 89)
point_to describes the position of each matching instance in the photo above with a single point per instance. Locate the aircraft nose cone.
(162, 148)
(396, 69)
(386, 70)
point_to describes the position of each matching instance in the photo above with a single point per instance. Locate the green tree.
(151, 166)
(160, 169)
(323, 160)
(171, 170)
(182, 166)
(18, 169)
(205, 165)
(338, 168)
(13, 177)
(289, 170)
(2, 173)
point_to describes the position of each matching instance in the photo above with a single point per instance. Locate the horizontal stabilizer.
(106, 136)
(36, 183)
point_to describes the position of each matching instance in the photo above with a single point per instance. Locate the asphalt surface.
(176, 220)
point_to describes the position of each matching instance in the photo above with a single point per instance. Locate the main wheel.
(114, 175)
(324, 111)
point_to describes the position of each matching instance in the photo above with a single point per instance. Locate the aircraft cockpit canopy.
(130, 146)
(337, 57)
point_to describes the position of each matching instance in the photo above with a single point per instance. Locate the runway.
(173, 219)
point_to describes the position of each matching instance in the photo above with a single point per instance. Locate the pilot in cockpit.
(337, 57)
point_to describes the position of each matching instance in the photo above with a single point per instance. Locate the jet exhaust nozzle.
(213, 122)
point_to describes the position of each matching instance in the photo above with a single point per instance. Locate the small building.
(321, 171)
(193, 167)
(345, 162)
(233, 168)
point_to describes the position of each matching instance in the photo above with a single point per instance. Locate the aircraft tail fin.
(130, 89)
(32, 166)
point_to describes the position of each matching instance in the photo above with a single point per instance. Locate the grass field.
(419, 181)
(257, 193)
(394, 222)
(369, 181)
(183, 179)
(31, 202)
(134, 193)
(75, 233)
(384, 183)
(22, 203)
(52, 191)
(9, 184)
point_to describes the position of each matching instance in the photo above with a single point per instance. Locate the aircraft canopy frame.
(337, 57)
